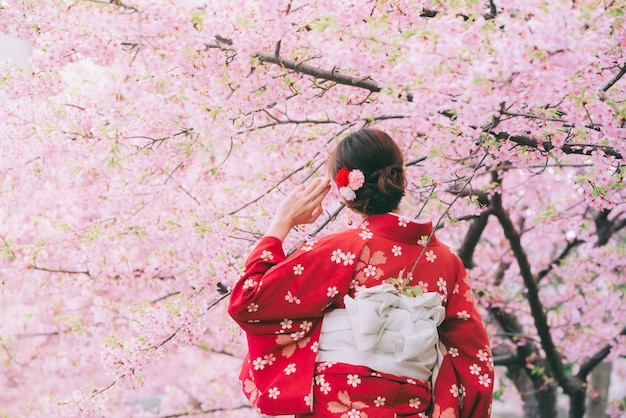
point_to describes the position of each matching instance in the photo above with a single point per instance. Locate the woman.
(328, 333)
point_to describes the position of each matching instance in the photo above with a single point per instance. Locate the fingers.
(317, 189)
(318, 193)
(305, 203)
(318, 211)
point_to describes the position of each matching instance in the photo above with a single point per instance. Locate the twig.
(615, 79)
(444, 214)
(204, 411)
(49, 270)
(581, 149)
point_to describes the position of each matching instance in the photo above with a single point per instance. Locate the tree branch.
(493, 11)
(330, 75)
(582, 149)
(508, 360)
(532, 294)
(569, 247)
(596, 359)
(204, 411)
(615, 79)
(49, 270)
(604, 227)
(466, 251)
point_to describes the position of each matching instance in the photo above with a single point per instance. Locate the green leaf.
(196, 18)
(413, 291)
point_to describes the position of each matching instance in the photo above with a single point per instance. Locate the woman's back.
(300, 311)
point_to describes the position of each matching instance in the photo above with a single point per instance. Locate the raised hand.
(303, 205)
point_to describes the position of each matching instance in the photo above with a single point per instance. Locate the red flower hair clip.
(348, 182)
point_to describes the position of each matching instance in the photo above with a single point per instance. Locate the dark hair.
(381, 161)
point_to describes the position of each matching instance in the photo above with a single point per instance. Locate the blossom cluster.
(349, 182)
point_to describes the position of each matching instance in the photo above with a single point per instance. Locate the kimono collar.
(400, 228)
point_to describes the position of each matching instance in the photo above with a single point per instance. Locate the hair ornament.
(348, 182)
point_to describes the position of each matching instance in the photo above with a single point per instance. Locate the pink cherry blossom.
(147, 144)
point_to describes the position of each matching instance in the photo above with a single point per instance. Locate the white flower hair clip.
(348, 182)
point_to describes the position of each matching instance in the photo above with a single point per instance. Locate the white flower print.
(456, 289)
(315, 346)
(453, 351)
(463, 315)
(348, 258)
(332, 292)
(296, 336)
(482, 355)
(253, 307)
(242, 272)
(366, 234)
(291, 298)
(374, 374)
(320, 379)
(379, 401)
(475, 369)
(267, 255)
(306, 326)
(402, 222)
(337, 256)
(461, 392)
(454, 390)
(324, 387)
(443, 287)
(308, 246)
(354, 413)
(484, 380)
(269, 359)
(423, 240)
(415, 403)
(369, 271)
(430, 256)
(290, 369)
(298, 269)
(286, 323)
(307, 400)
(249, 283)
(396, 250)
(273, 393)
(423, 285)
(354, 380)
(411, 381)
(259, 363)
(323, 366)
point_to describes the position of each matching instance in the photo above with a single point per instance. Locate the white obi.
(385, 331)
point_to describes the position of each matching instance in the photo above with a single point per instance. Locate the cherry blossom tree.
(149, 141)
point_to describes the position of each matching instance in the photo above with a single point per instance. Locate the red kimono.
(280, 303)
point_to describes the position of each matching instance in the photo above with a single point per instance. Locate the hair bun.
(391, 179)
(380, 159)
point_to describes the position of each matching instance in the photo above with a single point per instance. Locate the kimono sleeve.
(274, 287)
(280, 302)
(464, 385)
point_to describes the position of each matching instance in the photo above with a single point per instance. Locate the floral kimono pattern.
(280, 303)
